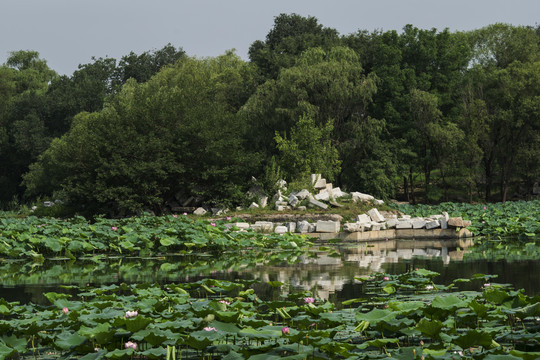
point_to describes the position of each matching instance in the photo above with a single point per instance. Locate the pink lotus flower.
(213, 224)
(485, 208)
(132, 345)
(487, 285)
(386, 278)
(175, 216)
(210, 329)
(185, 213)
(65, 310)
(309, 300)
(228, 218)
(285, 330)
(225, 302)
(114, 228)
(130, 314)
(429, 287)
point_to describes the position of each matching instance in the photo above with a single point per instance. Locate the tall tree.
(23, 134)
(290, 36)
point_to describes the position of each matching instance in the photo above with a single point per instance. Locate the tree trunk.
(427, 176)
(412, 186)
(406, 188)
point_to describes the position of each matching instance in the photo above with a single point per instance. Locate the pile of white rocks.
(303, 227)
(325, 195)
(374, 221)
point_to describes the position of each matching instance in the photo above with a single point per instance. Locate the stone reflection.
(330, 271)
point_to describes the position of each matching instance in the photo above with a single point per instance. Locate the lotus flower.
(386, 278)
(208, 328)
(132, 345)
(130, 314)
(285, 330)
(65, 310)
(309, 300)
(114, 228)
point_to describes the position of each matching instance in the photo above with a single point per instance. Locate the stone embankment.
(370, 226)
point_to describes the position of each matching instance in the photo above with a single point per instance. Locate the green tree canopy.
(176, 133)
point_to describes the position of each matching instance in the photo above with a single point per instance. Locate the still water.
(327, 271)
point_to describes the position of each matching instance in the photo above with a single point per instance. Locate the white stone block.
(337, 193)
(263, 226)
(320, 184)
(456, 222)
(363, 218)
(353, 227)
(433, 224)
(391, 223)
(253, 206)
(291, 226)
(444, 221)
(200, 211)
(406, 224)
(358, 196)
(302, 226)
(315, 178)
(328, 226)
(419, 223)
(317, 203)
(293, 201)
(405, 217)
(282, 184)
(375, 215)
(263, 201)
(303, 194)
(301, 208)
(240, 225)
(323, 195)
(378, 202)
(280, 229)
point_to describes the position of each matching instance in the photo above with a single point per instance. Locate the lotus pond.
(175, 288)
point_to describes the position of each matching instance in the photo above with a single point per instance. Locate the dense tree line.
(422, 115)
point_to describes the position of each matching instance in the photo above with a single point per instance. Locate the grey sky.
(67, 33)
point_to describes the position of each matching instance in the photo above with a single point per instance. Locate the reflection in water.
(326, 271)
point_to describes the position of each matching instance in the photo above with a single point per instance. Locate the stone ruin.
(326, 195)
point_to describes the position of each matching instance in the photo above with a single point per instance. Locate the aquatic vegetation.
(36, 238)
(405, 316)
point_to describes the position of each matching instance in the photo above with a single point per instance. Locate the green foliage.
(229, 320)
(289, 37)
(35, 237)
(177, 132)
(308, 150)
(422, 114)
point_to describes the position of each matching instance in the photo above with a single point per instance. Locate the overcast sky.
(67, 33)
